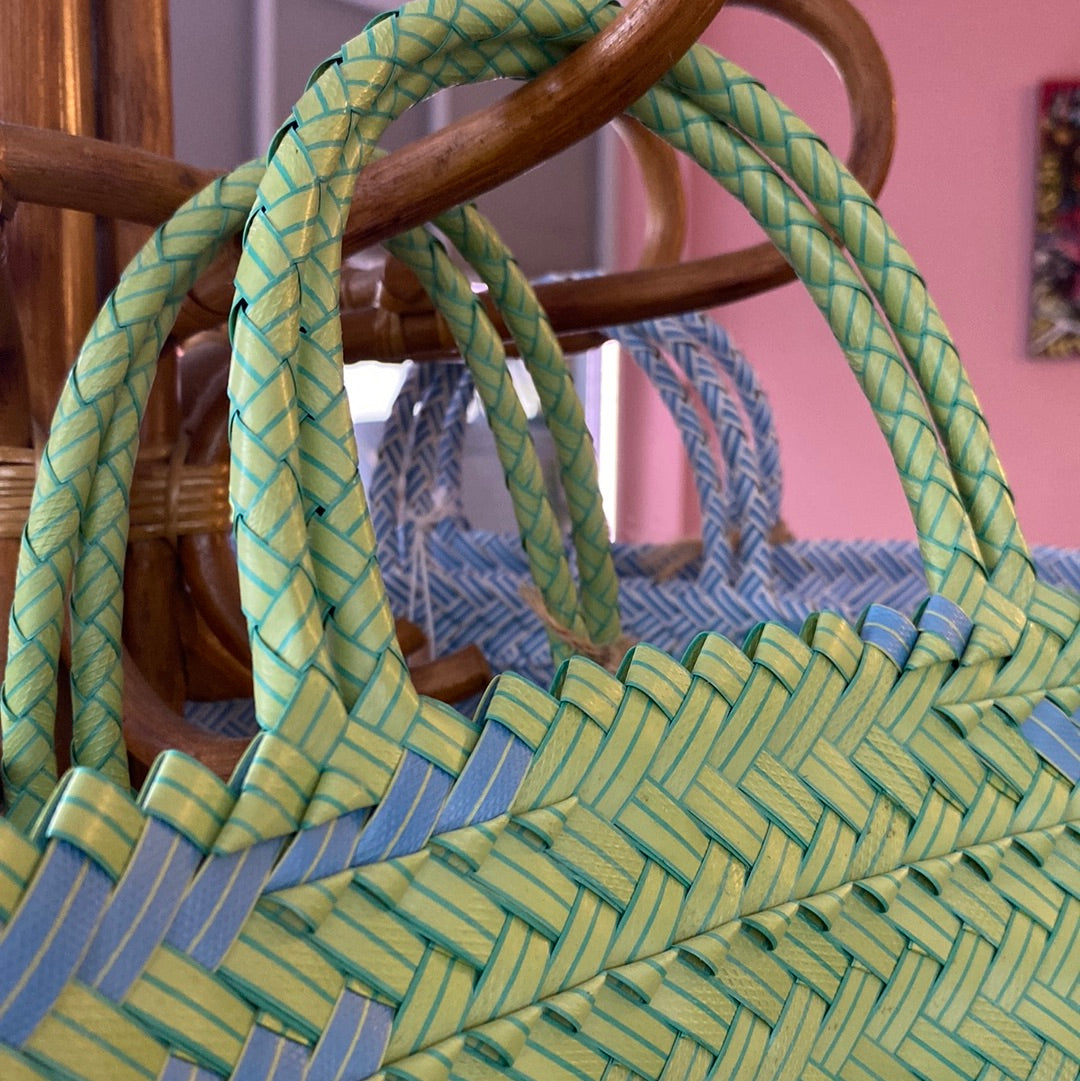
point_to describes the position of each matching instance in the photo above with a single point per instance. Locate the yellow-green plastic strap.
(97, 617)
(463, 60)
(69, 487)
(952, 557)
(950, 552)
(482, 349)
(298, 243)
(286, 683)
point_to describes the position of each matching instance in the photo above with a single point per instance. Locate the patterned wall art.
(1054, 326)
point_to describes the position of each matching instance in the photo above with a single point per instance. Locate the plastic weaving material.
(828, 853)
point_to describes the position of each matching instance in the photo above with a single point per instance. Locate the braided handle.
(329, 678)
(79, 506)
(976, 531)
(417, 474)
(481, 247)
(744, 509)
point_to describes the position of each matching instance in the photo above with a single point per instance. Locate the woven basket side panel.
(699, 863)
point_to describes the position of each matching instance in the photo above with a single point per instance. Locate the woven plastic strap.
(516, 302)
(954, 566)
(479, 343)
(886, 266)
(95, 671)
(97, 420)
(897, 284)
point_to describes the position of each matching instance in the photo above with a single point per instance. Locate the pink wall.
(960, 196)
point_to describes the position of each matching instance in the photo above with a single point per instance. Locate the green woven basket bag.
(847, 853)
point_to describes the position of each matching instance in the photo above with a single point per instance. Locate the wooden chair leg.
(51, 252)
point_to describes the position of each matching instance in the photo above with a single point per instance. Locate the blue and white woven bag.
(744, 570)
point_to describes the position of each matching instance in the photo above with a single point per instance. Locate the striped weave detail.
(478, 341)
(953, 562)
(286, 295)
(782, 861)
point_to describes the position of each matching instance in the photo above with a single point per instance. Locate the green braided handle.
(704, 88)
(479, 244)
(960, 538)
(955, 556)
(513, 295)
(84, 474)
(315, 166)
(29, 710)
(287, 295)
(896, 283)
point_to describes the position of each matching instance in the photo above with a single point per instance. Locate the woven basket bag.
(826, 854)
(785, 578)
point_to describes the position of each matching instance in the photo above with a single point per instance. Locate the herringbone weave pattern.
(826, 854)
(719, 871)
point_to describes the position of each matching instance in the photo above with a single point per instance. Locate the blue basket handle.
(422, 446)
(414, 472)
(746, 504)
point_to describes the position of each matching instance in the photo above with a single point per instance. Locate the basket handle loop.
(312, 592)
(871, 244)
(740, 507)
(677, 109)
(78, 514)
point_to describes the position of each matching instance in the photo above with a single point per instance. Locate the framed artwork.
(1054, 326)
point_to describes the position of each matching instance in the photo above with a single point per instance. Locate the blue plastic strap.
(142, 908)
(42, 945)
(490, 781)
(407, 814)
(222, 896)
